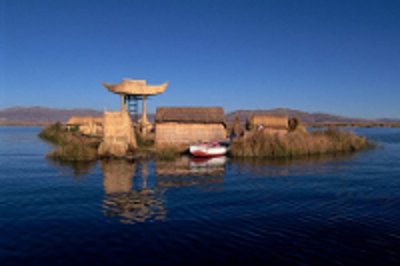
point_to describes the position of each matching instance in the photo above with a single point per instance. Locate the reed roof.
(135, 87)
(270, 121)
(267, 117)
(206, 115)
(81, 120)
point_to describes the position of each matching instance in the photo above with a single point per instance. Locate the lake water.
(327, 210)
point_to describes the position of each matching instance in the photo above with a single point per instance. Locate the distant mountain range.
(309, 118)
(41, 115)
(44, 115)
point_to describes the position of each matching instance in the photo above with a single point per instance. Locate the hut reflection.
(135, 195)
(131, 201)
(187, 171)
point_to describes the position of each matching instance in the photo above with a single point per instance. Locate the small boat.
(208, 149)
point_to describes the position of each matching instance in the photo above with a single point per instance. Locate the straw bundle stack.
(118, 137)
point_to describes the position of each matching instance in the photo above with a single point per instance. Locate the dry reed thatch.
(182, 125)
(119, 137)
(295, 144)
(82, 120)
(176, 134)
(205, 115)
(135, 87)
(268, 121)
(87, 125)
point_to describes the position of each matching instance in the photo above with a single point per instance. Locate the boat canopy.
(135, 87)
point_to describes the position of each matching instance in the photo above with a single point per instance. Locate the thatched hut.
(269, 123)
(177, 126)
(87, 125)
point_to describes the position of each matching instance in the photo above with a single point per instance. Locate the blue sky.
(340, 57)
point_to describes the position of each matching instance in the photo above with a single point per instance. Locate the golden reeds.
(295, 144)
(71, 146)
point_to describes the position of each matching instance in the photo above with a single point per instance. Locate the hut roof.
(267, 117)
(81, 120)
(135, 87)
(270, 121)
(205, 115)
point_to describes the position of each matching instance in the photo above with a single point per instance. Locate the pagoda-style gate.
(131, 92)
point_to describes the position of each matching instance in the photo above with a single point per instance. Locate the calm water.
(343, 210)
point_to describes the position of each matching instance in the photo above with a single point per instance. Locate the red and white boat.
(208, 149)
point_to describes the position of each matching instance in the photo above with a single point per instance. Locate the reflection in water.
(135, 195)
(342, 210)
(288, 167)
(188, 166)
(185, 181)
(68, 168)
(207, 164)
(117, 175)
(135, 206)
(131, 204)
(188, 171)
(135, 191)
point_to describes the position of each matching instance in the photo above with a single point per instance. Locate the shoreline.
(319, 125)
(24, 124)
(73, 146)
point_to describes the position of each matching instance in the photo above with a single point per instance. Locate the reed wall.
(172, 133)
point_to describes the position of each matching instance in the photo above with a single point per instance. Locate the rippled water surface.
(330, 210)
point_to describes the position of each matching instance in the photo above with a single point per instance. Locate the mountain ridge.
(306, 117)
(44, 115)
(40, 114)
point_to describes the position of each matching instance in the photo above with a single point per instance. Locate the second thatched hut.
(278, 124)
(176, 126)
(87, 125)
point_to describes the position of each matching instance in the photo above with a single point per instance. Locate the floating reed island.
(122, 134)
(262, 137)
